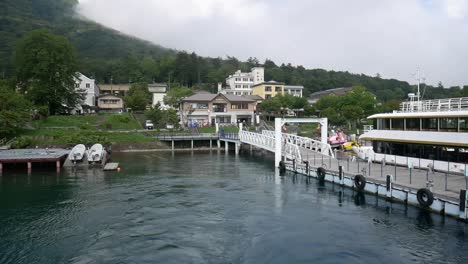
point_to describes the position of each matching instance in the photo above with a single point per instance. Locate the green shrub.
(23, 142)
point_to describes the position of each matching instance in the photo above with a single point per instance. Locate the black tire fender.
(360, 182)
(321, 173)
(282, 167)
(425, 197)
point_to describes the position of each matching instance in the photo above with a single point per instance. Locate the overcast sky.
(390, 37)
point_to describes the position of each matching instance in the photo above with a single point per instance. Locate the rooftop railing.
(438, 105)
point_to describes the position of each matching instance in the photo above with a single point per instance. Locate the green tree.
(138, 97)
(161, 118)
(271, 106)
(175, 96)
(14, 111)
(45, 70)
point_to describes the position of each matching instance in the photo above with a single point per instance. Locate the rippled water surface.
(210, 208)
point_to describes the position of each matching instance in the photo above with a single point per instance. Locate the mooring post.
(191, 141)
(172, 144)
(237, 146)
(219, 144)
(57, 165)
(211, 144)
(278, 150)
(226, 146)
(1, 168)
(462, 206)
(340, 174)
(410, 175)
(29, 167)
(389, 186)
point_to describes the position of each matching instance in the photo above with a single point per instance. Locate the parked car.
(149, 124)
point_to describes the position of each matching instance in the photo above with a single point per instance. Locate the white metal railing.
(304, 142)
(438, 105)
(290, 151)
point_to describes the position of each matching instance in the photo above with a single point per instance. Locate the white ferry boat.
(422, 133)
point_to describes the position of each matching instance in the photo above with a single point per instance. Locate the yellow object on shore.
(349, 145)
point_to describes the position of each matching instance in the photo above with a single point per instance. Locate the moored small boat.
(77, 153)
(95, 153)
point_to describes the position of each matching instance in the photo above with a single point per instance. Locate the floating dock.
(111, 166)
(30, 156)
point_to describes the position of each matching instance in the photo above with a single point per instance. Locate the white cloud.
(456, 8)
(390, 37)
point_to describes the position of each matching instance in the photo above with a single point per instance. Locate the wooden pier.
(30, 156)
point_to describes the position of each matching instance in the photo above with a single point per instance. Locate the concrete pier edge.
(396, 193)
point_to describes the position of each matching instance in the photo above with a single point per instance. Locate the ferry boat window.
(413, 123)
(463, 124)
(449, 124)
(384, 123)
(429, 123)
(397, 124)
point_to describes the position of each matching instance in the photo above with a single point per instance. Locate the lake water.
(210, 208)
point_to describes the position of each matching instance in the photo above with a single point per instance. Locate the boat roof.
(418, 137)
(421, 114)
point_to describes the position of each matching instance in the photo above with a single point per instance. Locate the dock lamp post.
(279, 122)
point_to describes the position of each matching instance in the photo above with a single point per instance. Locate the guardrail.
(304, 142)
(290, 151)
(185, 136)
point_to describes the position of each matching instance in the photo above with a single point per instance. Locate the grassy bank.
(124, 121)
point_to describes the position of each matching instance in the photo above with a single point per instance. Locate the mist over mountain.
(107, 54)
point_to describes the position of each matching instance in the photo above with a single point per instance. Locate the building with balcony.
(241, 83)
(110, 103)
(158, 91)
(294, 90)
(203, 109)
(90, 91)
(267, 90)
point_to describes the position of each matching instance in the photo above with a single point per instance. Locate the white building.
(240, 83)
(88, 87)
(294, 90)
(158, 90)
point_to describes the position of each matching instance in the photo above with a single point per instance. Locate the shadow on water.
(359, 198)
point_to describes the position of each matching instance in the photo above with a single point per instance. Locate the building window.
(245, 86)
(267, 96)
(238, 86)
(398, 123)
(278, 89)
(240, 106)
(88, 85)
(449, 124)
(238, 79)
(200, 106)
(463, 123)
(77, 85)
(238, 93)
(110, 101)
(246, 79)
(429, 124)
(413, 123)
(251, 79)
(267, 88)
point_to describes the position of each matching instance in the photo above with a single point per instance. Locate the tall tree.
(45, 69)
(138, 97)
(14, 110)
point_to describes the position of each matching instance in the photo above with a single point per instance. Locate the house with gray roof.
(313, 98)
(204, 109)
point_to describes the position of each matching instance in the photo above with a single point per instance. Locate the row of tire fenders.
(424, 196)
